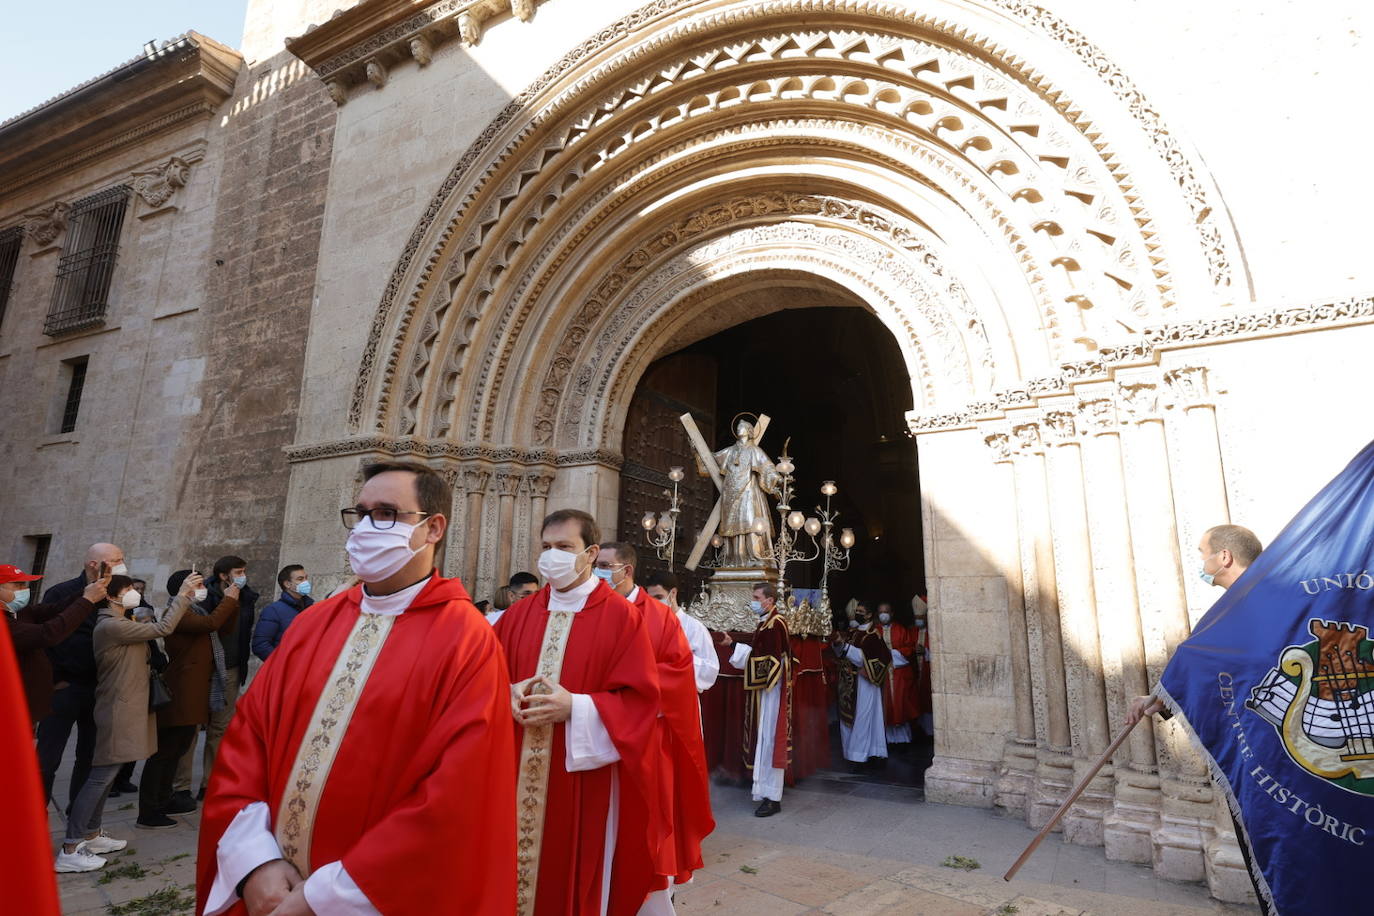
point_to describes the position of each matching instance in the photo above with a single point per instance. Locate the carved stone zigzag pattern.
(627, 318)
(876, 94)
(510, 323)
(1031, 15)
(596, 420)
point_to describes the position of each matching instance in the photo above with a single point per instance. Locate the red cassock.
(610, 658)
(25, 850)
(810, 712)
(685, 784)
(722, 715)
(420, 800)
(899, 693)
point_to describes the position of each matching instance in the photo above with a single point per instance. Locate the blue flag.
(1277, 685)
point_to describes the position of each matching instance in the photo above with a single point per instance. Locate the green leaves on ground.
(168, 901)
(749, 869)
(125, 869)
(963, 863)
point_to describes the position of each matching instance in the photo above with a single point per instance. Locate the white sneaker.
(81, 860)
(102, 844)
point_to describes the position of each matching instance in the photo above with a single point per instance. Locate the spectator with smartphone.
(125, 725)
(36, 627)
(74, 676)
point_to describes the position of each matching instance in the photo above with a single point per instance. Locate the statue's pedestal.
(725, 604)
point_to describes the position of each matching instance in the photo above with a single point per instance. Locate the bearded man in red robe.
(367, 770)
(685, 787)
(584, 693)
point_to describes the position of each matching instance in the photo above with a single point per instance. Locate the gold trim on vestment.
(532, 784)
(315, 756)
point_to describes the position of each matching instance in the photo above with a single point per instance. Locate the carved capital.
(44, 226)
(1061, 427)
(475, 480)
(1000, 444)
(539, 485)
(1188, 387)
(421, 50)
(156, 186)
(508, 482)
(1098, 415)
(376, 73)
(1140, 401)
(1027, 439)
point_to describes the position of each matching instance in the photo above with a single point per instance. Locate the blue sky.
(39, 59)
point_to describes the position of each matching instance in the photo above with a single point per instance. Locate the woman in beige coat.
(126, 730)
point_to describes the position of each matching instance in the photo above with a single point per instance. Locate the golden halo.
(744, 413)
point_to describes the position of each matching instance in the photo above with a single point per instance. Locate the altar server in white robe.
(663, 586)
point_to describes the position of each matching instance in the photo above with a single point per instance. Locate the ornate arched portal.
(978, 175)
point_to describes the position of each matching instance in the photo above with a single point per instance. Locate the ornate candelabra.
(791, 523)
(661, 529)
(833, 559)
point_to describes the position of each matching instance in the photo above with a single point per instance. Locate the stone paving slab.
(841, 854)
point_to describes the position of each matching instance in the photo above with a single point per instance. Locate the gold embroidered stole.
(320, 745)
(532, 781)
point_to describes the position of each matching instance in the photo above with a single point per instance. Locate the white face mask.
(376, 554)
(119, 569)
(131, 599)
(200, 594)
(884, 618)
(560, 566)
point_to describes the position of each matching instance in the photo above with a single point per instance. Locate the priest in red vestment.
(685, 785)
(899, 634)
(766, 661)
(584, 691)
(367, 769)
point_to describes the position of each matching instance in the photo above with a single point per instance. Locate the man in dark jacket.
(74, 676)
(233, 640)
(35, 627)
(277, 616)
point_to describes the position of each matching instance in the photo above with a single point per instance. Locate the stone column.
(1078, 620)
(1186, 792)
(475, 486)
(1016, 780)
(507, 485)
(1054, 754)
(1135, 806)
(539, 484)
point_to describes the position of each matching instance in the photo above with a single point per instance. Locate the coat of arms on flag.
(1320, 698)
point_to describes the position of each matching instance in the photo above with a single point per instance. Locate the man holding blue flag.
(1276, 685)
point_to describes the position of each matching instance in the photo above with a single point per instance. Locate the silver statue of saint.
(746, 524)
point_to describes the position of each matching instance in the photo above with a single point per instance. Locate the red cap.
(10, 573)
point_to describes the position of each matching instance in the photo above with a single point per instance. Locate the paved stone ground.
(841, 847)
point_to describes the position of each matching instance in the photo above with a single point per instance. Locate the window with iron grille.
(10, 240)
(40, 544)
(83, 275)
(76, 383)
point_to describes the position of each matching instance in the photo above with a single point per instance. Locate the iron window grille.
(75, 385)
(80, 297)
(41, 544)
(10, 240)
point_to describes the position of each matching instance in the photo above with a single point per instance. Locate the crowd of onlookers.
(137, 683)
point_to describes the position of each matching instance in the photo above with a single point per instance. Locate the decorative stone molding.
(182, 80)
(156, 186)
(430, 449)
(359, 43)
(45, 225)
(484, 184)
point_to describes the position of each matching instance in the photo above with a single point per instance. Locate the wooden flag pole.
(1068, 802)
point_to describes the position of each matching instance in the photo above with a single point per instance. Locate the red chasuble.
(418, 803)
(685, 784)
(899, 693)
(25, 850)
(609, 657)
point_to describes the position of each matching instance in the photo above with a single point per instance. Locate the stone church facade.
(461, 231)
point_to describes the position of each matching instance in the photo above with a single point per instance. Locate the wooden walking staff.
(1068, 802)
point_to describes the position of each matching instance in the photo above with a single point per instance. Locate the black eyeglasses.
(383, 517)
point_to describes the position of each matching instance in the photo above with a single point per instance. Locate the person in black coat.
(74, 677)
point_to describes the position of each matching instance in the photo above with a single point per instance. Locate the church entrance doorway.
(832, 379)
